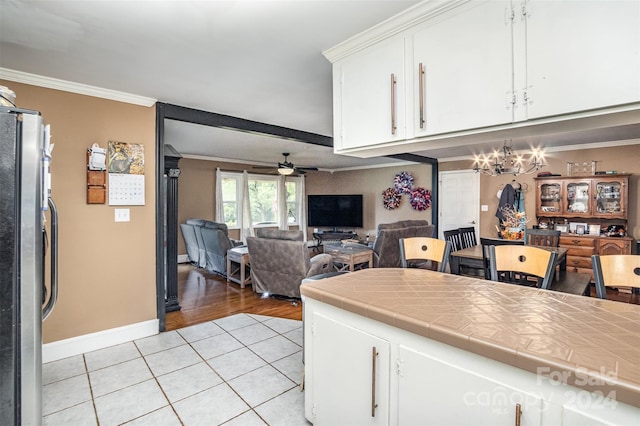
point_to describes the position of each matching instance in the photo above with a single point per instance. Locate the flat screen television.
(335, 211)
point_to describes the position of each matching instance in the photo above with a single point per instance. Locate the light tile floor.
(239, 370)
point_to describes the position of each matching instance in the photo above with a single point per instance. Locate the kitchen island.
(407, 346)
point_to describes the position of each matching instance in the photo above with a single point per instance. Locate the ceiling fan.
(287, 168)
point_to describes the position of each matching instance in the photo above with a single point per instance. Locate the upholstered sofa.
(280, 261)
(386, 248)
(212, 241)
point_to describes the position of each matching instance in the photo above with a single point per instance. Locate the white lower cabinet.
(434, 391)
(352, 387)
(359, 371)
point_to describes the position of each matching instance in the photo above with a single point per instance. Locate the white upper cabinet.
(369, 96)
(580, 56)
(466, 60)
(464, 68)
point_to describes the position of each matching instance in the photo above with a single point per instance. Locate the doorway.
(459, 197)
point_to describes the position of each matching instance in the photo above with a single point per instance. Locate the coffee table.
(241, 274)
(350, 257)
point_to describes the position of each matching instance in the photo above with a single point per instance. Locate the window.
(231, 193)
(263, 198)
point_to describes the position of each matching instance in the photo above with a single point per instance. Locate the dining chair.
(615, 270)
(485, 243)
(468, 237)
(425, 248)
(453, 236)
(521, 261)
(542, 237)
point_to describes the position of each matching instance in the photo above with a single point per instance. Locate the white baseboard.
(183, 258)
(90, 342)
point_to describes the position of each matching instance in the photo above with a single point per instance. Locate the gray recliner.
(216, 243)
(280, 261)
(386, 248)
(212, 241)
(190, 242)
(202, 251)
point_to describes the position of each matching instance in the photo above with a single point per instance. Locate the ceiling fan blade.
(263, 167)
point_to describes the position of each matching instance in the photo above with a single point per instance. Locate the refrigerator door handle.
(54, 261)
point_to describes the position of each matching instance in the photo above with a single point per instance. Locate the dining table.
(566, 282)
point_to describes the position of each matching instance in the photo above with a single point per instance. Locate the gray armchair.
(280, 261)
(190, 242)
(207, 244)
(386, 248)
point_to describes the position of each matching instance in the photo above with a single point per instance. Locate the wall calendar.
(126, 174)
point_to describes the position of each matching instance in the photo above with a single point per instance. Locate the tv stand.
(334, 235)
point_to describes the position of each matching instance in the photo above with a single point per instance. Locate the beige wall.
(624, 158)
(196, 191)
(371, 183)
(106, 269)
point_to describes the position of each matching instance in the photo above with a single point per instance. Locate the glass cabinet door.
(578, 197)
(608, 197)
(550, 198)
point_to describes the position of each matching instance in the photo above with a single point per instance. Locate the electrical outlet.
(122, 215)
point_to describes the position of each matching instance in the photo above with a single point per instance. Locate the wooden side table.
(350, 257)
(241, 274)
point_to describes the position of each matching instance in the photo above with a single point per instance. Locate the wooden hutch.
(598, 200)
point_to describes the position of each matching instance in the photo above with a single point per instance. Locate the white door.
(466, 59)
(350, 383)
(458, 199)
(581, 56)
(369, 98)
(434, 391)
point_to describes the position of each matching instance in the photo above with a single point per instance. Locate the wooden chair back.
(615, 270)
(468, 237)
(424, 248)
(453, 236)
(542, 237)
(522, 259)
(485, 243)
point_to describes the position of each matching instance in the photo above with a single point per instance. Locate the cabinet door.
(549, 202)
(578, 198)
(608, 246)
(581, 55)
(610, 198)
(466, 57)
(368, 98)
(348, 389)
(434, 392)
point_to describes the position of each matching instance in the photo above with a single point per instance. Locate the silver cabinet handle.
(374, 354)
(393, 104)
(421, 93)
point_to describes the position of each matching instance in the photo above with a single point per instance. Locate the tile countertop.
(595, 343)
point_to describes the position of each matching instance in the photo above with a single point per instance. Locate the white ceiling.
(258, 60)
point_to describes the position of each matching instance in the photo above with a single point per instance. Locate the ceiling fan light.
(285, 171)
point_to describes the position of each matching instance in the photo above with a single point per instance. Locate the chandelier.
(506, 162)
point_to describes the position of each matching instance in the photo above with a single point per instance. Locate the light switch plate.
(484, 208)
(122, 215)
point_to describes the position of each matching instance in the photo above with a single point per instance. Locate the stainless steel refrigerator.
(25, 252)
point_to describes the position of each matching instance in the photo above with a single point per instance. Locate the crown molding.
(69, 86)
(399, 23)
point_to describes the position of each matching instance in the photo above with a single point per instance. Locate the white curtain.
(219, 200)
(283, 222)
(302, 212)
(246, 228)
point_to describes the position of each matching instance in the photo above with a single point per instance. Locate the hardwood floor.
(205, 297)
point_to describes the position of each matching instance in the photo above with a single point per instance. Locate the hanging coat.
(507, 198)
